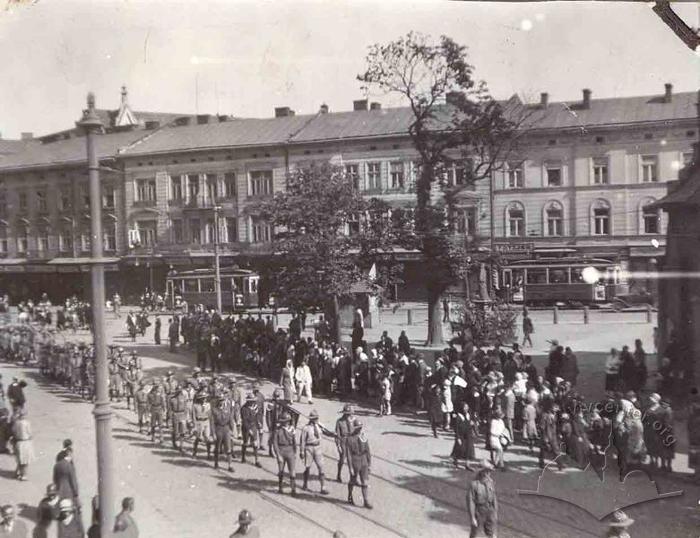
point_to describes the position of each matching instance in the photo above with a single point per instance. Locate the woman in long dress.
(463, 448)
(499, 439)
(287, 382)
(22, 437)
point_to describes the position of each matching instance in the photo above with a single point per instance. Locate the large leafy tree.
(454, 118)
(327, 238)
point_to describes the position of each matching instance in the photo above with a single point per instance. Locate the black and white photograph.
(349, 269)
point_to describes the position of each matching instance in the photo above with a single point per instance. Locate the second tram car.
(554, 280)
(239, 287)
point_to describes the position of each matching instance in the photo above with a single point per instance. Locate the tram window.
(207, 285)
(238, 283)
(517, 279)
(226, 284)
(191, 285)
(536, 276)
(253, 285)
(577, 275)
(558, 276)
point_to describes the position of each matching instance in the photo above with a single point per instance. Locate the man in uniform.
(274, 410)
(201, 414)
(359, 462)
(261, 405)
(482, 503)
(310, 450)
(157, 404)
(222, 424)
(343, 428)
(178, 415)
(169, 386)
(285, 444)
(141, 405)
(237, 402)
(249, 427)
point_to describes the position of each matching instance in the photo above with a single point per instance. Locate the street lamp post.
(103, 410)
(217, 265)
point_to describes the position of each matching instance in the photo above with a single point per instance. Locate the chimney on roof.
(544, 99)
(359, 105)
(222, 118)
(586, 99)
(27, 136)
(324, 109)
(375, 106)
(283, 112)
(152, 124)
(182, 120)
(454, 98)
(203, 119)
(668, 95)
(125, 95)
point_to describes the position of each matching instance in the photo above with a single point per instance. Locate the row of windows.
(599, 171)
(198, 232)
(65, 240)
(64, 200)
(600, 219)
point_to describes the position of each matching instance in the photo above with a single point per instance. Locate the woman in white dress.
(22, 438)
(499, 439)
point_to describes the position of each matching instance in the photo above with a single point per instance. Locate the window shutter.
(168, 186)
(220, 185)
(186, 182)
(136, 193)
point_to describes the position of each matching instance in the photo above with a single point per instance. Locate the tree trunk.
(435, 336)
(336, 333)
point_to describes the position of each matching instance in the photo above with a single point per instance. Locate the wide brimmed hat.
(620, 519)
(51, 489)
(249, 398)
(313, 415)
(347, 409)
(357, 424)
(65, 505)
(245, 517)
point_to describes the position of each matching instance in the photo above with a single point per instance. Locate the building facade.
(581, 185)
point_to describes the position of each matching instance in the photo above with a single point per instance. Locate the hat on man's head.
(313, 415)
(51, 489)
(65, 505)
(347, 409)
(249, 397)
(620, 519)
(357, 424)
(284, 417)
(245, 517)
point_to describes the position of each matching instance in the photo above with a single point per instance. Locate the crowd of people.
(494, 395)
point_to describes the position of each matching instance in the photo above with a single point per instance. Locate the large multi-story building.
(580, 184)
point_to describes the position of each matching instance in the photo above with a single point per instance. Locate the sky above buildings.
(245, 58)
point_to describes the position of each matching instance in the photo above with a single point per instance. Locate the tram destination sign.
(515, 249)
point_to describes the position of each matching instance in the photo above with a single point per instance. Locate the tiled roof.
(70, 151)
(614, 111)
(13, 146)
(235, 132)
(395, 121)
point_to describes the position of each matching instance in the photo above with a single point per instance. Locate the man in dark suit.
(64, 476)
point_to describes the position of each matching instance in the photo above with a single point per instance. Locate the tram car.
(546, 281)
(239, 288)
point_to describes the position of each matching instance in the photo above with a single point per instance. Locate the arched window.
(649, 222)
(515, 220)
(601, 220)
(553, 219)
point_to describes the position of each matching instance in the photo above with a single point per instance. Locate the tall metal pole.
(103, 410)
(217, 268)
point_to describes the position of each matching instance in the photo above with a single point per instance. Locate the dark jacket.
(65, 479)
